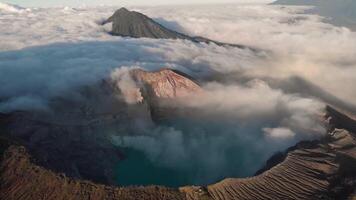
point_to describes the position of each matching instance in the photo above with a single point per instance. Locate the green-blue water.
(137, 169)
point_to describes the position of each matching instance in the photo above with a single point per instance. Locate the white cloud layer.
(301, 45)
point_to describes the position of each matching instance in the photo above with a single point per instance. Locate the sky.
(49, 3)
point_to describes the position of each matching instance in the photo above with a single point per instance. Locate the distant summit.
(134, 24)
(340, 12)
(137, 25)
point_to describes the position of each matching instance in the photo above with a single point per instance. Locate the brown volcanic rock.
(165, 83)
(306, 173)
(161, 90)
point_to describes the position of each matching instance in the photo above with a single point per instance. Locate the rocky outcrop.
(165, 83)
(162, 90)
(137, 25)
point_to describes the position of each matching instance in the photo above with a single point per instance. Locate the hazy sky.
(45, 3)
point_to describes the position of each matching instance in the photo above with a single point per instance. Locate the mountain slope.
(134, 24)
(137, 25)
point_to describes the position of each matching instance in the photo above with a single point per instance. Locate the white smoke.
(129, 88)
(281, 132)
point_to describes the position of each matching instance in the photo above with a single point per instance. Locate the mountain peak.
(123, 9)
(137, 25)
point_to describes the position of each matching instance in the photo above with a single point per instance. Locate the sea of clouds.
(268, 100)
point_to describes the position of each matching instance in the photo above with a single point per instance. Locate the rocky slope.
(137, 25)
